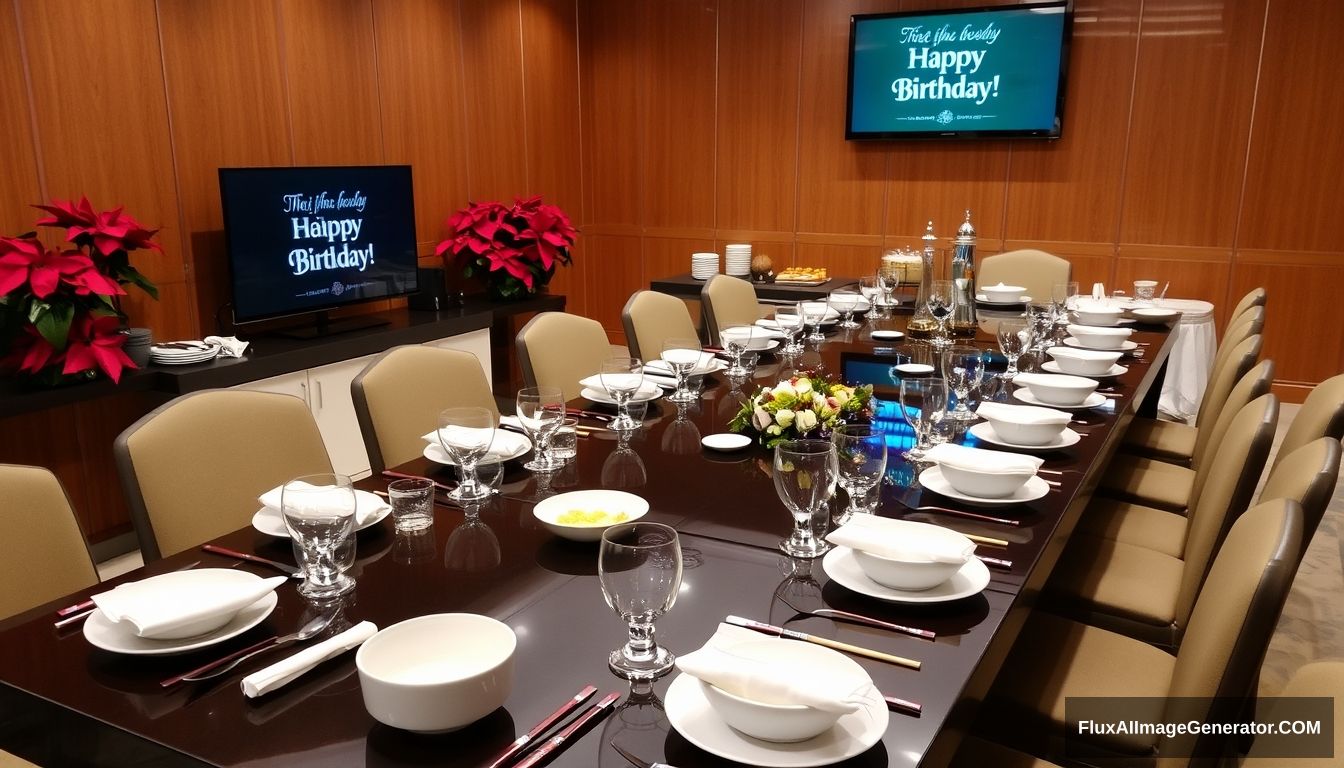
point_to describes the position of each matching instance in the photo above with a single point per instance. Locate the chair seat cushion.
(1055, 658)
(1154, 483)
(1136, 524)
(1164, 440)
(1110, 577)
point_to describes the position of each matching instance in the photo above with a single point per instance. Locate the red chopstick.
(902, 705)
(518, 744)
(558, 741)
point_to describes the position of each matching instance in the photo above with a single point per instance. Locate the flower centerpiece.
(60, 309)
(804, 406)
(514, 249)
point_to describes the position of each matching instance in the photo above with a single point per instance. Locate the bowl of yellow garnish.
(584, 515)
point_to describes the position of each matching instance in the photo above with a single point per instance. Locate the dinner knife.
(510, 752)
(559, 741)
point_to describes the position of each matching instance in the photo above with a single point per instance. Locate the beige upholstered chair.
(398, 397)
(978, 753)
(557, 349)
(1321, 415)
(1308, 476)
(1255, 298)
(728, 301)
(1148, 590)
(1055, 659)
(10, 761)
(43, 554)
(192, 468)
(650, 318)
(1319, 679)
(1037, 271)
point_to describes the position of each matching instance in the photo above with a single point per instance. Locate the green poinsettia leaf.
(53, 322)
(132, 275)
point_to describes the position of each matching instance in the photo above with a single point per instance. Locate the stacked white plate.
(182, 352)
(737, 259)
(704, 265)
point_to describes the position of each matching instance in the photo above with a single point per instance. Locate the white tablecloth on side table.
(1191, 358)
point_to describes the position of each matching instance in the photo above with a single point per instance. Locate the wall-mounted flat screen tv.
(309, 239)
(967, 73)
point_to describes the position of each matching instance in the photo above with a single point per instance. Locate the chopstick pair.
(770, 629)
(559, 741)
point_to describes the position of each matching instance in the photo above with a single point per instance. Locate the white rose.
(784, 417)
(841, 396)
(785, 388)
(760, 418)
(806, 420)
(818, 400)
(803, 386)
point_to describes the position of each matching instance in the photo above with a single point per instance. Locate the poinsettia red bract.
(515, 248)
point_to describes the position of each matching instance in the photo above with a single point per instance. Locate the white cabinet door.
(295, 383)
(329, 388)
(476, 342)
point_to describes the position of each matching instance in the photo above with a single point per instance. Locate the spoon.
(220, 666)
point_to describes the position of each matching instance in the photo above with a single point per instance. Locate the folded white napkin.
(229, 346)
(724, 663)
(1022, 414)
(504, 442)
(981, 460)
(165, 608)
(594, 382)
(903, 540)
(367, 506)
(287, 670)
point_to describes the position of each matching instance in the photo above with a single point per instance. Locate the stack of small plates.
(182, 352)
(704, 265)
(737, 258)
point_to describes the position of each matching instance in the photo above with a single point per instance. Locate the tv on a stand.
(302, 241)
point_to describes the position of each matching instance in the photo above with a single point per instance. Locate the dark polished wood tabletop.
(64, 702)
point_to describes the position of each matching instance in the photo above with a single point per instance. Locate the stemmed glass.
(861, 452)
(888, 279)
(939, 302)
(541, 411)
(923, 403)
(814, 314)
(871, 290)
(639, 567)
(319, 513)
(845, 301)
(736, 341)
(805, 476)
(1014, 339)
(466, 434)
(622, 377)
(792, 326)
(963, 368)
(1042, 316)
(1064, 298)
(681, 355)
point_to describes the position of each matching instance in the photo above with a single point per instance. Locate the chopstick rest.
(287, 670)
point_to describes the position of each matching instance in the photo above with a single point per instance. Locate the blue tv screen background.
(990, 70)
(307, 239)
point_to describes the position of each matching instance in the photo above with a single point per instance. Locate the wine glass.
(466, 434)
(861, 453)
(541, 411)
(939, 302)
(319, 513)
(845, 301)
(923, 404)
(889, 277)
(814, 314)
(736, 341)
(1014, 339)
(792, 326)
(872, 293)
(622, 377)
(805, 476)
(1042, 316)
(639, 567)
(963, 368)
(682, 355)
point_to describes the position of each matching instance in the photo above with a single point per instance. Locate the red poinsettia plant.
(60, 308)
(514, 249)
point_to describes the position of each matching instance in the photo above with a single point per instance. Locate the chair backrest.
(398, 397)
(1253, 382)
(1037, 271)
(1308, 476)
(192, 469)
(1251, 322)
(1232, 622)
(1229, 481)
(1321, 415)
(650, 318)
(43, 554)
(1233, 360)
(557, 349)
(1319, 679)
(728, 301)
(1256, 298)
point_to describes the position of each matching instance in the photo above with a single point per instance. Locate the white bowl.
(1155, 314)
(1025, 424)
(437, 673)
(983, 483)
(1096, 314)
(1098, 337)
(779, 722)
(1002, 294)
(1083, 362)
(550, 509)
(1055, 389)
(760, 338)
(908, 576)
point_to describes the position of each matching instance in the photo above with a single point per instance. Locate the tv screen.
(308, 239)
(970, 73)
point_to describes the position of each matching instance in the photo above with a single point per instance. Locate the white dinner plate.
(708, 364)
(1035, 488)
(853, 734)
(647, 393)
(1125, 346)
(1053, 367)
(985, 431)
(1118, 321)
(840, 565)
(1092, 401)
(887, 335)
(113, 636)
(270, 522)
(725, 441)
(983, 299)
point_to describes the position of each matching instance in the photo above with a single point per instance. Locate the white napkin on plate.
(229, 346)
(722, 663)
(1022, 414)
(901, 540)
(285, 671)
(367, 506)
(981, 460)
(159, 608)
(504, 442)
(594, 382)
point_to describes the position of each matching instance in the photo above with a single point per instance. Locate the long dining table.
(63, 702)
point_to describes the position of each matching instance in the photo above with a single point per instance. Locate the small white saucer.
(840, 565)
(932, 479)
(725, 441)
(887, 335)
(985, 431)
(1125, 346)
(1093, 400)
(1052, 366)
(914, 369)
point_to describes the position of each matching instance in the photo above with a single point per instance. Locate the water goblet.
(1015, 337)
(871, 290)
(792, 326)
(319, 513)
(963, 368)
(541, 411)
(814, 314)
(845, 301)
(889, 277)
(923, 404)
(1042, 316)
(861, 453)
(639, 567)
(806, 472)
(466, 434)
(682, 355)
(939, 302)
(622, 377)
(736, 340)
